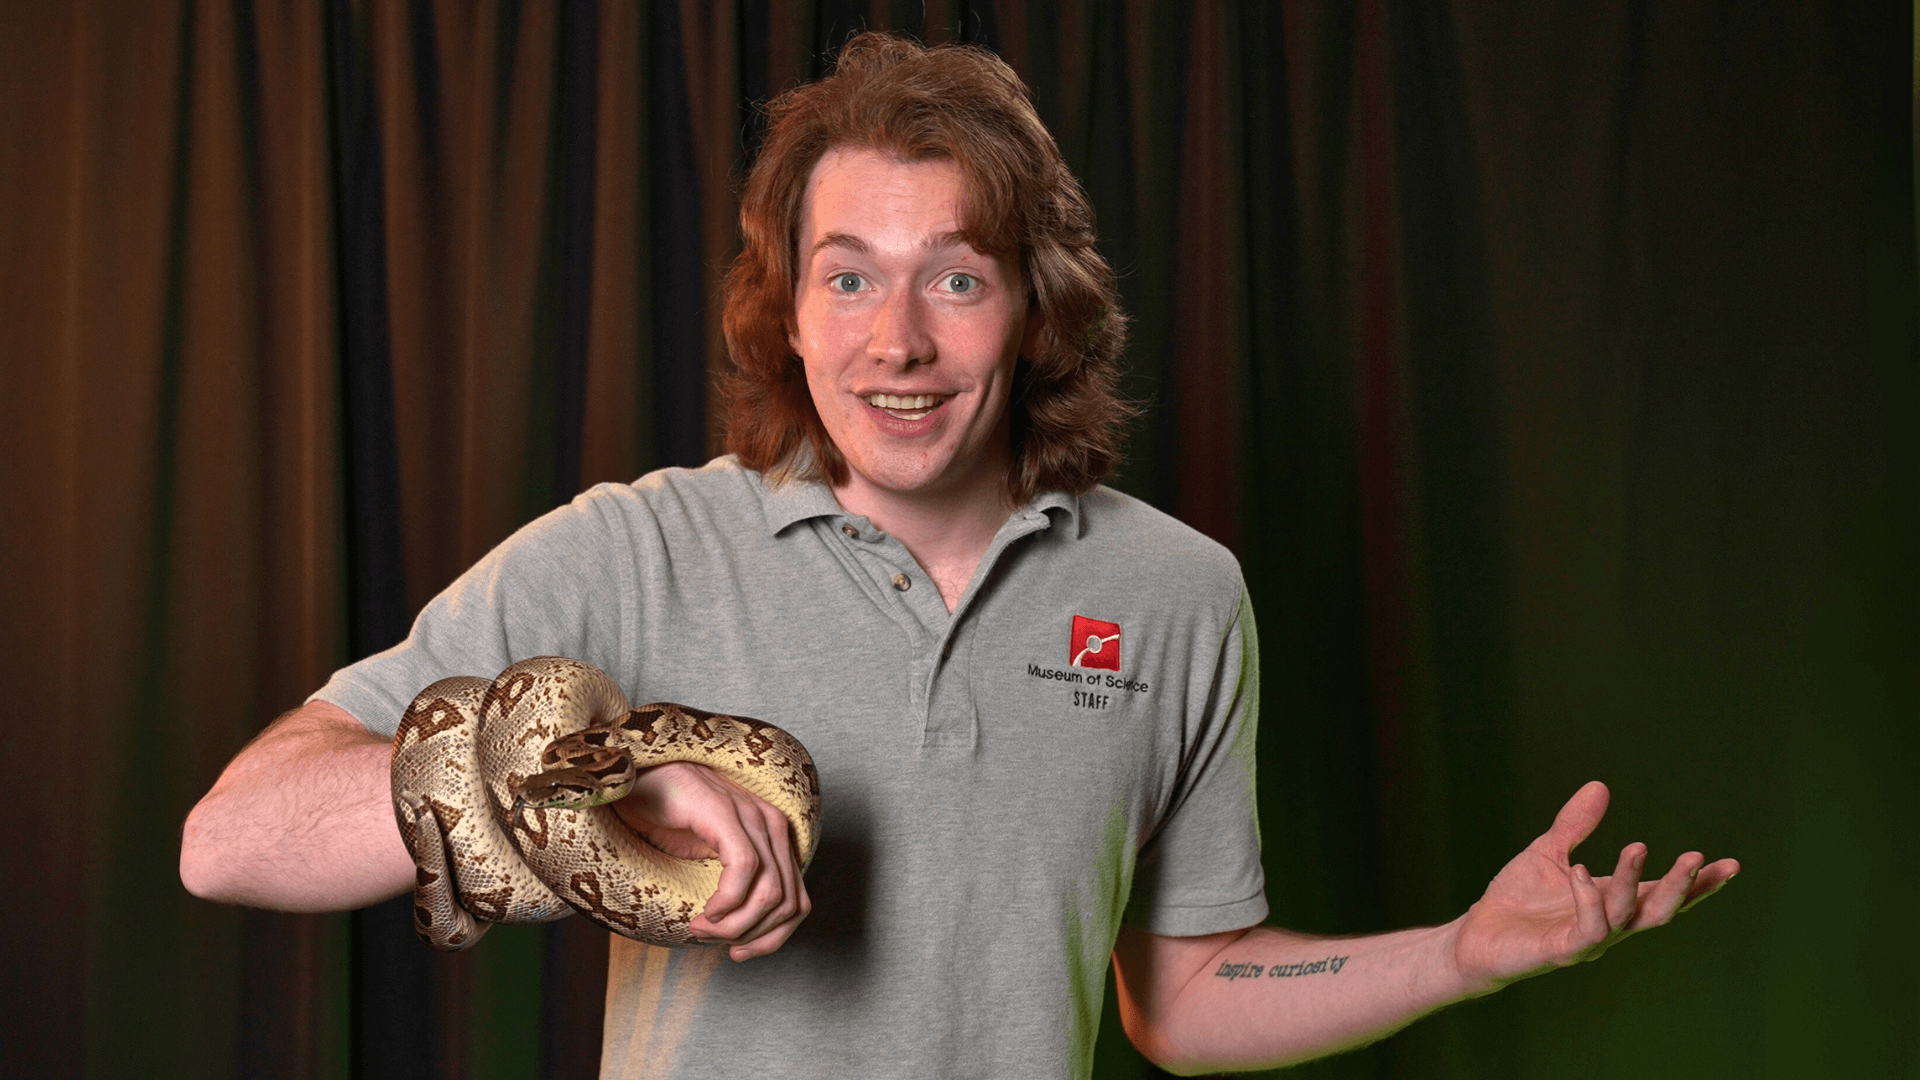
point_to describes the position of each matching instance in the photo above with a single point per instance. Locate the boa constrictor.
(500, 790)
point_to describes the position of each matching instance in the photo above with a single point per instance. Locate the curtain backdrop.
(1551, 369)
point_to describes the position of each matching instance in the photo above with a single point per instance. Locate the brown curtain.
(1552, 371)
(172, 552)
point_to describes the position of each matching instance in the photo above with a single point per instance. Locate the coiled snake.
(500, 790)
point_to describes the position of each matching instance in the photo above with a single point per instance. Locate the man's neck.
(946, 533)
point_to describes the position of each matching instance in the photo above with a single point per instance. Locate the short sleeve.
(1200, 872)
(550, 589)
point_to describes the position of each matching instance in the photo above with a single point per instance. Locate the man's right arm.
(301, 820)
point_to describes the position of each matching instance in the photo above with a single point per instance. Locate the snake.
(501, 789)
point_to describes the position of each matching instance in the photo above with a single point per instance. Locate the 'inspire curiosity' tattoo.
(1330, 965)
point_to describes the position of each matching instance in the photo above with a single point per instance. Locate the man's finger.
(765, 907)
(778, 934)
(740, 863)
(1709, 880)
(780, 835)
(765, 900)
(775, 924)
(1576, 820)
(776, 896)
(1589, 910)
(1623, 888)
(1659, 901)
(767, 943)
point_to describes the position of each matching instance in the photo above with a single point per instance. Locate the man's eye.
(847, 282)
(962, 283)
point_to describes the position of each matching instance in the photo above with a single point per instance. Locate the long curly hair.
(950, 102)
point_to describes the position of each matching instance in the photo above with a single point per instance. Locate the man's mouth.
(906, 406)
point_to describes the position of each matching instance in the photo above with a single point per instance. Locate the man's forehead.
(855, 191)
(867, 159)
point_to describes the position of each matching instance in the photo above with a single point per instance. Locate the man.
(1031, 700)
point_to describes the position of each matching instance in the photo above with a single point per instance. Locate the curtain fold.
(173, 557)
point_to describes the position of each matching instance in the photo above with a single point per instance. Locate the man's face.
(909, 336)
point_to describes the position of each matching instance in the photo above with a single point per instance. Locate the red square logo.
(1095, 644)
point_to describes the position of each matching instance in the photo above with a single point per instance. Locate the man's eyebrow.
(842, 240)
(954, 238)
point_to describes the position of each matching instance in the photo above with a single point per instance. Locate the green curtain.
(1584, 448)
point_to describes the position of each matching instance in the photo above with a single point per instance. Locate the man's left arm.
(1265, 997)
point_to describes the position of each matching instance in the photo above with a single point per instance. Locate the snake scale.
(500, 789)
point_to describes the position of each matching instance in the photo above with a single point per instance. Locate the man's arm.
(1264, 997)
(301, 820)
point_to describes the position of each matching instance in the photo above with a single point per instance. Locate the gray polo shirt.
(1070, 748)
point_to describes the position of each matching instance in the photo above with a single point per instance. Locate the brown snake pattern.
(499, 790)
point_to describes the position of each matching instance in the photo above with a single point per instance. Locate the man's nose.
(899, 333)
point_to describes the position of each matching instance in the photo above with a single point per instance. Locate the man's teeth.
(910, 401)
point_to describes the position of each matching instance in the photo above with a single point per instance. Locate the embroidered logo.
(1094, 644)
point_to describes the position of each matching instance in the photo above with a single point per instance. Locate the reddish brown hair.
(962, 104)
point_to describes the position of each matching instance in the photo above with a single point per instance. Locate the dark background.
(1551, 367)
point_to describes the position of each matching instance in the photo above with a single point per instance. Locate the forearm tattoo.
(1330, 965)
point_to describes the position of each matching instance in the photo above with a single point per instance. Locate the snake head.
(607, 778)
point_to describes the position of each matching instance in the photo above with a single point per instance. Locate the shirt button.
(850, 530)
(902, 582)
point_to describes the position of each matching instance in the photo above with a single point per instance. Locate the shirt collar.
(1068, 504)
(796, 500)
(800, 500)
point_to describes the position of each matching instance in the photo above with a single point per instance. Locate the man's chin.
(903, 485)
(916, 482)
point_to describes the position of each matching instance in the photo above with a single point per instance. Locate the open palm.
(1542, 912)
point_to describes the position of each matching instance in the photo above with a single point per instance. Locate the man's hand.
(1540, 912)
(691, 812)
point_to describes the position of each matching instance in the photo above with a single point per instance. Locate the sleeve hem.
(1196, 921)
(359, 703)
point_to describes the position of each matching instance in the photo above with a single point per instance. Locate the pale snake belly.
(500, 789)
